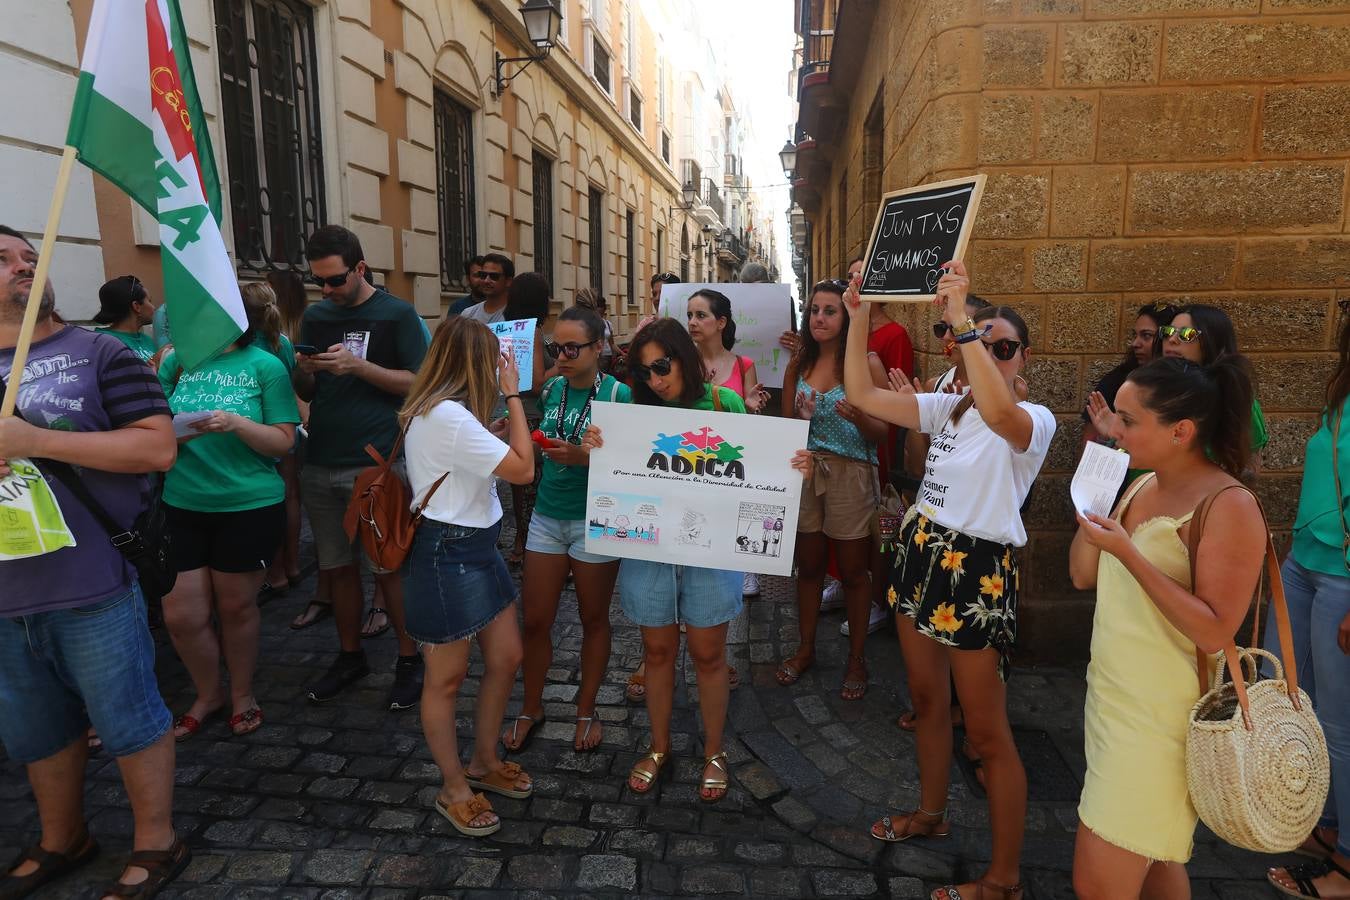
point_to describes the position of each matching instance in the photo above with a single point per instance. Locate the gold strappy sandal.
(714, 784)
(647, 778)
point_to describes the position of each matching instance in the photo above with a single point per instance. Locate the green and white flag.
(138, 121)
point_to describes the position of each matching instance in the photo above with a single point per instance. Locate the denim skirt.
(454, 582)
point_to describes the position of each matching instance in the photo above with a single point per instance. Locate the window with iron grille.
(454, 188)
(684, 253)
(597, 231)
(600, 63)
(630, 255)
(543, 215)
(635, 109)
(270, 120)
(665, 146)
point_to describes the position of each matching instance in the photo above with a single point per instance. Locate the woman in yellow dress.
(1136, 822)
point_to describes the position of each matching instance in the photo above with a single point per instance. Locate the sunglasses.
(572, 351)
(492, 276)
(1003, 349)
(332, 281)
(1343, 305)
(941, 329)
(1185, 334)
(658, 367)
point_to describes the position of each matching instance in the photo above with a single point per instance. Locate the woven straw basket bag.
(1256, 758)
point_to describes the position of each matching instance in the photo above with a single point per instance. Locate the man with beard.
(75, 648)
(370, 343)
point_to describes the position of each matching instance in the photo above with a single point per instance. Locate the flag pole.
(30, 313)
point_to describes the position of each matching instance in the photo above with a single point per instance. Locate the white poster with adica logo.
(709, 489)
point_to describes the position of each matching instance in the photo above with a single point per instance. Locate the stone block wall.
(1137, 150)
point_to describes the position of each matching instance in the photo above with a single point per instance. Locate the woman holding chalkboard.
(956, 581)
(659, 596)
(838, 501)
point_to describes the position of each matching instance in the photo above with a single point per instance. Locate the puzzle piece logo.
(700, 451)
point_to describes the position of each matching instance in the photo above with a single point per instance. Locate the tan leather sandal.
(937, 826)
(461, 814)
(647, 778)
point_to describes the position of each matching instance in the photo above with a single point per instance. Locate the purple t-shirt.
(77, 380)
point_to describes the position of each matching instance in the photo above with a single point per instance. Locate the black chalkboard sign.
(917, 230)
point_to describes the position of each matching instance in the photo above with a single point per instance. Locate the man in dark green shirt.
(369, 344)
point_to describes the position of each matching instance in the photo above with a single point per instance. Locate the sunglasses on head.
(1003, 349)
(658, 367)
(1185, 333)
(332, 281)
(572, 351)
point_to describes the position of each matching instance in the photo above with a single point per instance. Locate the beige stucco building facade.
(1183, 150)
(383, 115)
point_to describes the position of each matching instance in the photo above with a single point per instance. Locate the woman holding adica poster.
(660, 597)
(955, 581)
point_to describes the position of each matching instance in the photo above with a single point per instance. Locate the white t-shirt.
(478, 313)
(974, 481)
(450, 439)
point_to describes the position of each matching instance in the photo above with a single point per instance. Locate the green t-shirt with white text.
(218, 472)
(140, 343)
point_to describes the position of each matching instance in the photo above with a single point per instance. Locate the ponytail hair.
(719, 304)
(264, 318)
(1216, 397)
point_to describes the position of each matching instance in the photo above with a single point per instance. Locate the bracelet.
(973, 334)
(511, 397)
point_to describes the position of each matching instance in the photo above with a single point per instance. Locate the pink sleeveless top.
(736, 380)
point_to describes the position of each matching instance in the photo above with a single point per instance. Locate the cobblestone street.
(334, 801)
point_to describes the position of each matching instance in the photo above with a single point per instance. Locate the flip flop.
(366, 632)
(585, 733)
(246, 722)
(522, 742)
(321, 609)
(789, 674)
(636, 691)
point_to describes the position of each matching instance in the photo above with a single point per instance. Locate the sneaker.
(345, 670)
(833, 596)
(875, 622)
(407, 689)
(750, 585)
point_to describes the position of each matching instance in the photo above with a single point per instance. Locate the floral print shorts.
(960, 591)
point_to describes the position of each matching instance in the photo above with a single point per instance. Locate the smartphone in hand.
(305, 349)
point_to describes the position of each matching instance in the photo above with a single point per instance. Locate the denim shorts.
(62, 671)
(326, 491)
(653, 594)
(558, 537)
(454, 582)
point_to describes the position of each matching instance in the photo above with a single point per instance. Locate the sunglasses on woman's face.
(1185, 333)
(1003, 349)
(658, 367)
(941, 330)
(572, 351)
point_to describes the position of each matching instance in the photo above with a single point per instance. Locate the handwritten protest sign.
(917, 230)
(693, 488)
(762, 313)
(517, 337)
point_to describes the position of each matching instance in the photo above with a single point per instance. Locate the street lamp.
(689, 193)
(542, 22)
(788, 157)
